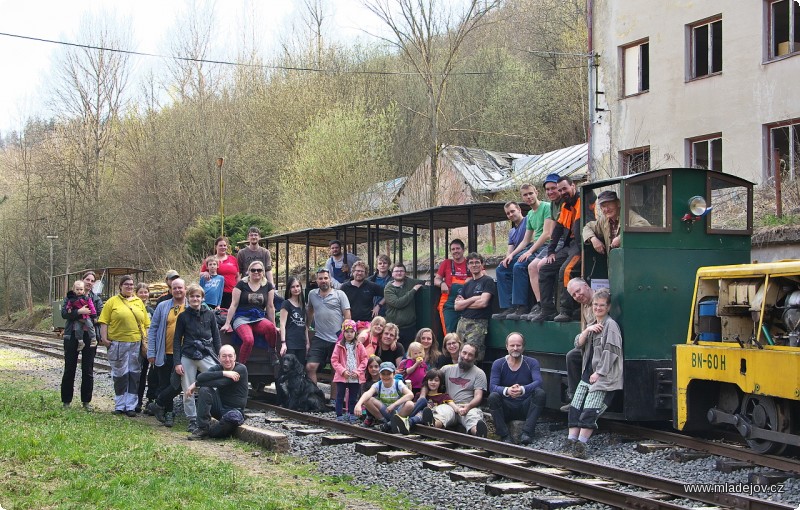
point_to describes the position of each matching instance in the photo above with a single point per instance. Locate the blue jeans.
(505, 281)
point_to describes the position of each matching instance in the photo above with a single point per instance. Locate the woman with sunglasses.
(123, 327)
(227, 267)
(252, 310)
(87, 353)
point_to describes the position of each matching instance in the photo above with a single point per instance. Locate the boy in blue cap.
(385, 398)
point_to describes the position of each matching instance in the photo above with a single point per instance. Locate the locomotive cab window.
(648, 203)
(730, 205)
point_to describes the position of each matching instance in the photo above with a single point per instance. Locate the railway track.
(45, 344)
(587, 480)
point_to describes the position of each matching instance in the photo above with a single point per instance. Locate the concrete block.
(268, 439)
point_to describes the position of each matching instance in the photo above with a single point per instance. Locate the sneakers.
(525, 439)
(400, 425)
(579, 450)
(386, 427)
(130, 413)
(427, 416)
(369, 421)
(352, 418)
(192, 426)
(343, 417)
(156, 410)
(507, 439)
(65, 405)
(568, 446)
(562, 317)
(169, 419)
(543, 316)
(481, 430)
(517, 314)
(504, 314)
(198, 434)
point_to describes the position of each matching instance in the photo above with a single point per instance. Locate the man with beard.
(450, 277)
(253, 252)
(400, 310)
(516, 391)
(465, 383)
(559, 265)
(222, 394)
(327, 309)
(362, 294)
(339, 264)
(475, 304)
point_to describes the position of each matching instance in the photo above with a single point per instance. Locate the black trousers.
(210, 405)
(574, 366)
(71, 367)
(166, 393)
(551, 279)
(149, 379)
(504, 409)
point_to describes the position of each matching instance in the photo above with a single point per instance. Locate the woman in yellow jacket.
(123, 329)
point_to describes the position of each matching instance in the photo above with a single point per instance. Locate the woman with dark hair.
(294, 334)
(88, 352)
(228, 268)
(123, 328)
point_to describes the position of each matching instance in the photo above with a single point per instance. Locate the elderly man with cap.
(603, 234)
(388, 399)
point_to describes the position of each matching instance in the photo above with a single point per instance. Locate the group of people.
(365, 327)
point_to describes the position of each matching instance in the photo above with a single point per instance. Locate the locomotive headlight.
(697, 206)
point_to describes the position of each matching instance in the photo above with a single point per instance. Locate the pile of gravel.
(435, 488)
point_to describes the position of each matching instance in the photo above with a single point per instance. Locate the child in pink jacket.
(349, 362)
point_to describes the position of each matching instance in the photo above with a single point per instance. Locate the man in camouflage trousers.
(475, 304)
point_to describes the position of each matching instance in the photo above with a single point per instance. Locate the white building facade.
(707, 83)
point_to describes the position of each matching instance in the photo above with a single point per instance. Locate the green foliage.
(772, 220)
(338, 158)
(200, 237)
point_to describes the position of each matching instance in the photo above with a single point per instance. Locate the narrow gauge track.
(49, 347)
(731, 451)
(572, 483)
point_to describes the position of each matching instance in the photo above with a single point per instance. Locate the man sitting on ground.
(516, 391)
(466, 384)
(222, 394)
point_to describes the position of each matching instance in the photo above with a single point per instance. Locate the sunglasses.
(256, 270)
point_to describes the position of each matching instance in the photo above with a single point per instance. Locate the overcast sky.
(27, 66)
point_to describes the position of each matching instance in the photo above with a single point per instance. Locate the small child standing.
(77, 299)
(349, 362)
(214, 285)
(414, 366)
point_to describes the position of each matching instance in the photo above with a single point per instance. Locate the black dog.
(295, 390)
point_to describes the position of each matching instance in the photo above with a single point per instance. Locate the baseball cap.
(386, 365)
(552, 178)
(606, 196)
(171, 275)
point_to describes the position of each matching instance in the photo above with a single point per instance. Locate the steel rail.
(586, 490)
(726, 450)
(22, 343)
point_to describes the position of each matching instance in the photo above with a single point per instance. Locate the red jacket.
(339, 361)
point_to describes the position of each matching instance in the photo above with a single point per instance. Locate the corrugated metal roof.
(381, 195)
(491, 171)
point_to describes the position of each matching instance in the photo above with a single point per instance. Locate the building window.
(706, 48)
(784, 27)
(784, 144)
(706, 152)
(635, 161)
(636, 68)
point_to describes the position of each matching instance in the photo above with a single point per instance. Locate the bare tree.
(430, 34)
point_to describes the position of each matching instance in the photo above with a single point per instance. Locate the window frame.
(629, 183)
(770, 52)
(794, 155)
(625, 154)
(623, 75)
(690, 153)
(734, 181)
(691, 58)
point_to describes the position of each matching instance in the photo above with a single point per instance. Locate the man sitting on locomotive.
(601, 344)
(603, 234)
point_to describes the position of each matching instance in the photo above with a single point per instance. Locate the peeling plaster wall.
(738, 102)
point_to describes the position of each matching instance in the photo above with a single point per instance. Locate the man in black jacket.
(222, 393)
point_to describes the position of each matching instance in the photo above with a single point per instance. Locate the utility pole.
(220, 162)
